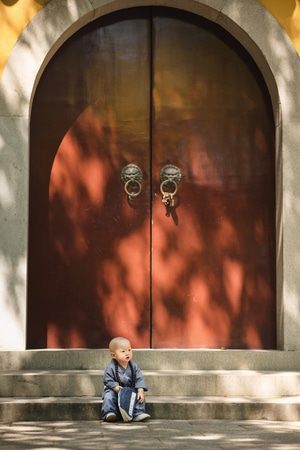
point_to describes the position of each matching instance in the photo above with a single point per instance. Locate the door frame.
(24, 68)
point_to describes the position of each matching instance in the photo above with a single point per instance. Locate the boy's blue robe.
(110, 398)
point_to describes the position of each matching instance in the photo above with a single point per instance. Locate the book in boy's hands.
(127, 398)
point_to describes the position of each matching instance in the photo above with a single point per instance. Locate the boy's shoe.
(111, 417)
(141, 417)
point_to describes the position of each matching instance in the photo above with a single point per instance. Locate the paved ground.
(155, 434)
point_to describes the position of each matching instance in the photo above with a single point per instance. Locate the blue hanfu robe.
(110, 398)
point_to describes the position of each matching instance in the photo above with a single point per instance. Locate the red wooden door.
(152, 86)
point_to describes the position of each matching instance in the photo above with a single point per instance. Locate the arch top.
(257, 31)
(271, 50)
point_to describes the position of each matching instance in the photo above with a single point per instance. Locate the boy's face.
(123, 354)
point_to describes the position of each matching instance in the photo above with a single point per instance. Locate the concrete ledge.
(228, 408)
(85, 383)
(235, 408)
(201, 384)
(151, 359)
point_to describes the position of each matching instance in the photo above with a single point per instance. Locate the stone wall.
(265, 40)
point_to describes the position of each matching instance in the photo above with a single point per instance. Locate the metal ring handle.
(167, 192)
(132, 195)
(132, 174)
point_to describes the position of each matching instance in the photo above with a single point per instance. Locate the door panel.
(106, 256)
(151, 86)
(213, 258)
(97, 264)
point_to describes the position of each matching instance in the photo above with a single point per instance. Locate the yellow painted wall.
(15, 15)
(287, 12)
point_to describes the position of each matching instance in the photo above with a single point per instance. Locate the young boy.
(119, 373)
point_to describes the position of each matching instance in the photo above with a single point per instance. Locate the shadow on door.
(152, 86)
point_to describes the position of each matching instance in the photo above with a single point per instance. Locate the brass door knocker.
(170, 177)
(132, 177)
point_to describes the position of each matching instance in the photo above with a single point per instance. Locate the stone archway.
(22, 73)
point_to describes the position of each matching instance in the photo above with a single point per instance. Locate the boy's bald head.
(116, 342)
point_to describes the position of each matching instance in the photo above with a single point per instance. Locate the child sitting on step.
(122, 372)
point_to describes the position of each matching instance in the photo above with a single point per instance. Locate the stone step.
(77, 383)
(226, 408)
(88, 408)
(152, 359)
(201, 384)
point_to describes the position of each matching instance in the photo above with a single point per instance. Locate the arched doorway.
(152, 86)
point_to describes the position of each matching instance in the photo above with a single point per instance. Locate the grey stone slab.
(160, 434)
(175, 408)
(67, 383)
(153, 359)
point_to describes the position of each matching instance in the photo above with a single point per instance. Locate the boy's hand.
(140, 395)
(116, 389)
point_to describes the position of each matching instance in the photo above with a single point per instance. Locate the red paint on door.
(152, 86)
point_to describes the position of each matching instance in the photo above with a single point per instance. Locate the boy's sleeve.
(139, 379)
(109, 378)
